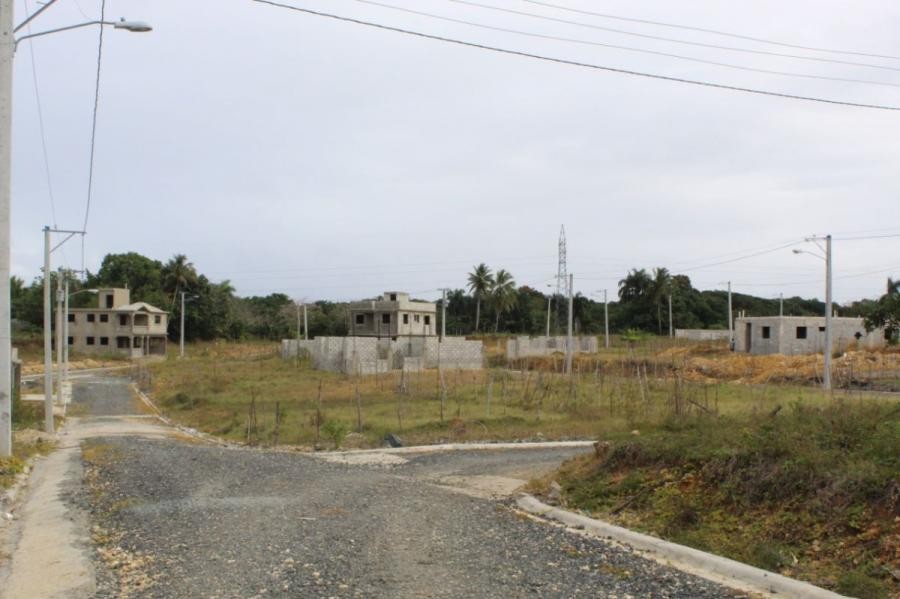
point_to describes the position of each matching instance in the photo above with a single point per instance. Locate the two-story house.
(118, 326)
(393, 315)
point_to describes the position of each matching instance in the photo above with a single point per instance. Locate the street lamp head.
(797, 251)
(133, 26)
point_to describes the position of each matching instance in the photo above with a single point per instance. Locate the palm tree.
(636, 284)
(480, 283)
(503, 295)
(178, 273)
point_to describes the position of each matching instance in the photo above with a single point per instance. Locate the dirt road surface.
(173, 518)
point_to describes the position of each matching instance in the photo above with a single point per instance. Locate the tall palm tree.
(178, 273)
(480, 283)
(503, 295)
(636, 284)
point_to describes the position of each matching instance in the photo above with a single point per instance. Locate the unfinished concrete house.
(792, 335)
(393, 315)
(117, 326)
(525, 347)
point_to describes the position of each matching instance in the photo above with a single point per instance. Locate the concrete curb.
(470, 447)
(706, 565)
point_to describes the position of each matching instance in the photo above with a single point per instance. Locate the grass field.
(214, 388)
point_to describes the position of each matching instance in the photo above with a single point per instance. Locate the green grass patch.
(811, 491)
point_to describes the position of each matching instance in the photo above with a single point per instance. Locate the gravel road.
(176, 519)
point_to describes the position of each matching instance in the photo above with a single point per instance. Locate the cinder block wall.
(368, 355)
(524, 347)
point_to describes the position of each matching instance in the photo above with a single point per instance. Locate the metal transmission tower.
(562, 280)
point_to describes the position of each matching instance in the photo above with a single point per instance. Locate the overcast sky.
(323, 159)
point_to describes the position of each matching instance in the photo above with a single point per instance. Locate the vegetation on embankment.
(811, 492)
(27, 439)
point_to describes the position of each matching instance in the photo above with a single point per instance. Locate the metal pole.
(443, 314)
(181, 337)
(59, 339)
(6, 66)
(305, 324)
(826, 378)
(730, 321)
(569, 331)
(670, 316)
(549, 299)
(605, 321)
(48, 340)
(65, 335)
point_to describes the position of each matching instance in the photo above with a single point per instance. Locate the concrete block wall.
(455, 352)
(701, 334)
(783, 331)
(368, 355)
(524, 347)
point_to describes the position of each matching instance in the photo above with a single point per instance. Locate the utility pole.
(48, 342)
(569, 331)
(181, 337)
(605, 320)
(7, 46)
(65, 333)
(826, 377)
(549, 299)
(59, 339)
(305, 323)
(730, 321)
(443, 314)
(781, 305)
(670, 317)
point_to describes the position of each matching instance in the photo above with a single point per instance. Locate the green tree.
(481, 281)
(886, 312)
(503, 295)
(178, 274)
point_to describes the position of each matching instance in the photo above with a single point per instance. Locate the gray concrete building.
(792, 335)
(393, 315)
(118, 326)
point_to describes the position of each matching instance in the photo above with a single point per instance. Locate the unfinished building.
(792, 335)
(392, 316)
(117, 326)
(527, 347)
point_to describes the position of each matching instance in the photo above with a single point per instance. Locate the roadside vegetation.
(28, 440)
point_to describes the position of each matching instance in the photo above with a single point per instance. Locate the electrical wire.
(40, 115)
(90, 189)
(672, 40)
(753, 255)
(625, 48)
(865, 237)
(580, 64)
(713, 31)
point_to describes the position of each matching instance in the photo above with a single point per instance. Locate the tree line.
(491, 302)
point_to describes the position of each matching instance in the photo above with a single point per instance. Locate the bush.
(336, 431)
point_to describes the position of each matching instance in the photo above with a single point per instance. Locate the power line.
(713, 31)
(866, 237)
(40, 114)
(672, 40)
(618, 47)
(753, 255)
(579, 64)
(90, 190)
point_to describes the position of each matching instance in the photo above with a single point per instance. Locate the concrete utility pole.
(6, 72)
(305, 323)
(569, 330)
(181, 336)
(730, 321)
(65, 331)
(48, 340)
(443, 314)
(826, 377)
(549, 300)
(671, 334)
(59, 333)
(605, 321)
(781, 305)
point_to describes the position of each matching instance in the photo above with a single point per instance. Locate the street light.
(7, 52)
(605, 318)
(549, 300)
(826, 375)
